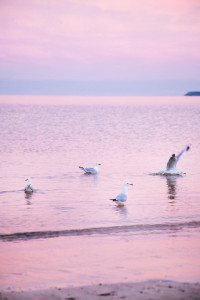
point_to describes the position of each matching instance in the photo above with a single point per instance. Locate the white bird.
(171, 165)
(94, 170)
(29, 188)
(123, 197)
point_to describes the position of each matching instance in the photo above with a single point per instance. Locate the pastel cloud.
(100, 39)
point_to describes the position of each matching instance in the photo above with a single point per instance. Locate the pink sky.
(100, 39)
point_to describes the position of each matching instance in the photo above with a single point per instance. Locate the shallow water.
(132, 139)
(86, 260)
(48, 143)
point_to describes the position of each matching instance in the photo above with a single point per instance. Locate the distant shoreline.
(193, 93)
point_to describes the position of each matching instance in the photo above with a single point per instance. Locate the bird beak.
(130, 184)
(26, 179)
(99, 164)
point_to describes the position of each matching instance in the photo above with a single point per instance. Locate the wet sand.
(152, 289)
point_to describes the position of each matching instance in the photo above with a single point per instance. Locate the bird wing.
(90, 170)
(182, 152)
(121, 197)
(29, 188)
(171, 163)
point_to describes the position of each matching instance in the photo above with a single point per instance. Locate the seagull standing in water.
(123, 197)
(28, 188)
(94, 170)
(171, 165)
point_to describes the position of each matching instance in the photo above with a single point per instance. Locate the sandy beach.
(152, 289)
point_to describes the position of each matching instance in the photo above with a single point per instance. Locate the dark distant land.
(193, 93)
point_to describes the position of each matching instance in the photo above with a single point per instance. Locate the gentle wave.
(12, 191)
(165, 173)
(147, 228)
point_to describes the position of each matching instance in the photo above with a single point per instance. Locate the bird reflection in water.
(28, 197)
(171, 183)
(122, 210)
(88, 176)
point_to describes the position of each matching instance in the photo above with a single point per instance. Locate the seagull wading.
(123, 196)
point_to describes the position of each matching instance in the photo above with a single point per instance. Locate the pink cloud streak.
(98, 39)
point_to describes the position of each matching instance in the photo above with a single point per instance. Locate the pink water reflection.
(95, 100)
(50, 143)
(87, 260)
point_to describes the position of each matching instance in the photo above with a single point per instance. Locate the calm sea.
(48, 138)
(131, 140)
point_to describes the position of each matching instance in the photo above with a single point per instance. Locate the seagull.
(171, 165)
(28, 188)
(123, 197)
(94, 170)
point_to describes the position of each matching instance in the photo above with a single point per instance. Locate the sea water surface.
(48, 138)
